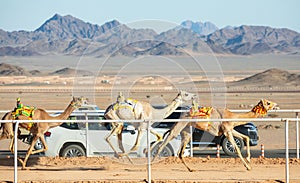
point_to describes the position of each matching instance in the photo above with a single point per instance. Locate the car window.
(81, 126)
(70, 125)
(174, 115)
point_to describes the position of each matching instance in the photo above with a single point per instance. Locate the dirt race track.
(170, 170)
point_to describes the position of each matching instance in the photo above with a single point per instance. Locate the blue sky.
(30, 14)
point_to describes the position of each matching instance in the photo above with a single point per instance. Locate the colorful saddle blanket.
(27, 111)
(201, 111)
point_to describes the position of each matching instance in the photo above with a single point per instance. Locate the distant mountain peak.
(110, 25)
(272, 77)
(56, 17)
(57, 21)
(69, 71)
(12, 70)
(113, 23)
(199, 27)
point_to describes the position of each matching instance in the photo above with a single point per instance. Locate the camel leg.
(11, 145)
(245, 138)
(136, 144)
(29, 152)
(229, 136)
(120, 140)
(159, 138)
(175, 130)
(45, 146)
(116, 130)
(185, 139)
(138, 140)
(5, 136)
(121, 147)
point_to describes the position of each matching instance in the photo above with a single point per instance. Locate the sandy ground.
(169, 170)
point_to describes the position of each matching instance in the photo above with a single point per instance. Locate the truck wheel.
(73, 150)
(166, 152)
(228, 147)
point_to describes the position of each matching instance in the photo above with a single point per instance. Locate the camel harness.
(128, 103)
(259, 110)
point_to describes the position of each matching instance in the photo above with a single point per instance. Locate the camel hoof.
(133, 149)
(117, 155)
(248, 160)
(120, 155)
(154, 158)
(249, 168)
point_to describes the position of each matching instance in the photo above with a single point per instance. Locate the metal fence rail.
(285, 120)
(296, 111)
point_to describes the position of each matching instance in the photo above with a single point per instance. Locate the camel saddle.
(128, 103)
(26, 111)
(201, 111)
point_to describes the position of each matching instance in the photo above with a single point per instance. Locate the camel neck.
(256, 112)
(249, 114)
(65, 114)
(168, 110)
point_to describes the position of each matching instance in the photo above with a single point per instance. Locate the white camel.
(131, 109)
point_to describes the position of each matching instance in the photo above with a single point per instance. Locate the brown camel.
(37, 129)
(131, 109)
(217, 128)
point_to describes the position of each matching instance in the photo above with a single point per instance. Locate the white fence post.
(191, 142)
(16, 152)
(87, 151)
(297, 135)
(287, 172)
(149, 151)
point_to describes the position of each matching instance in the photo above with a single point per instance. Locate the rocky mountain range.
(67, 35)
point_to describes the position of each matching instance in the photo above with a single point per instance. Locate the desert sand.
(54, 93)
(171, 170)
(105, 169)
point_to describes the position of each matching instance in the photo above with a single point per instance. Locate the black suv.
(201, 138)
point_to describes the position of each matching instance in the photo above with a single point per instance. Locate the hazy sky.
(30, 14)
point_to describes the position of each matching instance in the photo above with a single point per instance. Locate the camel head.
(264, 106)
(267, 104)
(186, 96)
(78, 101)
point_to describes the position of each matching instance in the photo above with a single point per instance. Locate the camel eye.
(268, 103)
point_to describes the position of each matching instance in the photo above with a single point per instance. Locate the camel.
(131, 109)
(216, 128)
(37, 129)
